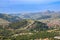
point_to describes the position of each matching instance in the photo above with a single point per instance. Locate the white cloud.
(27, 1)
(33, 1)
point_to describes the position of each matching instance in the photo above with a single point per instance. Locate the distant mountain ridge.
(36, 16)
(39, 15)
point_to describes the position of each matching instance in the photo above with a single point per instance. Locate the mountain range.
(39, 15)
(36, 16)
(32, 21)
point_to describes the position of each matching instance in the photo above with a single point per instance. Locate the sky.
(15, 6)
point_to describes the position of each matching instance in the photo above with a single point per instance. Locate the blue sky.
(9, 6)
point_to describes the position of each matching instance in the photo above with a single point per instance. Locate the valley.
(37, 26)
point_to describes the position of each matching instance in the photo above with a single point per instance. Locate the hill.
(29, 25)
(10, 18)
(2, 21)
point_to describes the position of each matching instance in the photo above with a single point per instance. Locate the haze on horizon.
(9, 6)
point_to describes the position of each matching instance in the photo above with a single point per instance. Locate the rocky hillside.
(26, 25)
(2, 21)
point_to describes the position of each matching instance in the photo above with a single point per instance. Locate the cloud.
(28, 5)
(33, 1)
(26, 1)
